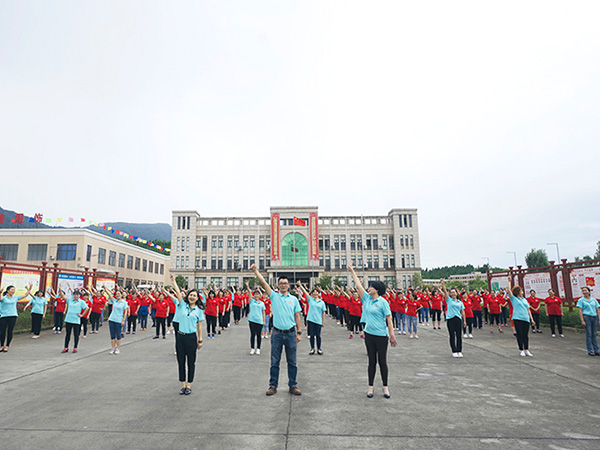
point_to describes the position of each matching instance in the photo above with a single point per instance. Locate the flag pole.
(294, 244)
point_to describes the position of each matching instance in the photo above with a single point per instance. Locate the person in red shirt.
(268, 314)
(436, 309)
(504, 307)
(494, 310)
(85, 318)
(59, 312)
(172, 309)
(486, 298)
(412, 306)
(476, 308)
(237, 306)
(554, 310)
(162, 311)
(134, 307)
(468, 317)
(535, 304)
(144, 308)
(211, 312)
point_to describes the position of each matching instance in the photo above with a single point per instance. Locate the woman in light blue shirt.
(76, 309)
(116, 320)
(521, 317)
(9, 314)
(189, 333)
(379, 329)
(256, 320)
(39, 305)
(314, 318)
(455, 319)
(588, 313)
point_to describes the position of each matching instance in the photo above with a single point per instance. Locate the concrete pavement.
(491, 398)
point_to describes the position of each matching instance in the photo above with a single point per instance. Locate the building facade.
(220, 250)
(78, 248)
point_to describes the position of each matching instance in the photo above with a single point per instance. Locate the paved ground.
(491, 398)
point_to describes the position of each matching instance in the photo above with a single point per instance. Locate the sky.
(482, 115)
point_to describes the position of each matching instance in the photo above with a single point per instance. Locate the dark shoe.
(597, 353)
(182, 391)
(155, 337)
(369, 395)
(295, 391)
(188, 391)
(387, 395)
(312, 351)
(164, 337)
(592, 354)
(320, 352)
(271, 391)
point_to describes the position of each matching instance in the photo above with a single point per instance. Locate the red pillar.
(521, 278)
(553, 278)
(569, 297)
(44, 277)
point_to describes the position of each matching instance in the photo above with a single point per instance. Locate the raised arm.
(177, 291)
(26, 294)
(359, 286)
(261, 279)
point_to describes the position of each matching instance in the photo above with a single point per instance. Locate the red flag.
(1, 218)
(299, 222)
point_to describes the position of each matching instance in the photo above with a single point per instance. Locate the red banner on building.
(275, 247)
(313, 222)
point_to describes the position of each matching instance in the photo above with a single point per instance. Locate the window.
(384, 242)
(88, 255)
(268, 243)
(213, 245)
(359, 242)
(252, 242)
(177, 262)
(204, 243)
(412, 258)
(137, 263)
(401, 241)
(178, 225)
(178, 243)
(261, 262)
(156, 268)
(375, 245)
(187, 262)
(385, 262)
(101, 256)
(220, 240)
(344, 262)
(336, 262)
(220, 263)
(320, 243)
(145, 264)
(245, 263)
(122, 260)
(375, 262)
(353, 259)
(204, 263)
(188, 222)
(359, 263)
(374, 278)
(352, 242)
(368, 242)
(327, 263)
(213, 263)
(392, 262)
(369, 262)
(412, 242)
(405, 221)
(336, 242)
(390, 281)
(229, 242)
(403, 262)
(198, 244)
(236, 263)
(218, 281)
(232, 281)
(326, 242)
(130, 262)
(187, 242)
(268, 261)
(410, 220)
(236, 242)
(400, 222)
(245, 242)
(112, 258)
(197, 263)
(150, 266)
(37, 252)
(343, 242)
(9, 252)
(261, 243)
(200, 282)
(229, 263)
(391, 242)
(162, 269)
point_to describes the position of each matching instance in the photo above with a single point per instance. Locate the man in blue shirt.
(286, 331)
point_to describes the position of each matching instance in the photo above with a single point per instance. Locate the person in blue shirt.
(287, 325)
(39, 305)
(588, 313)
(314, 318)
(9, 314)
(76, 309)
(521, 317)
(116, 319)
(455, 319)
(191, 316)
(256, 320)
(379, 329)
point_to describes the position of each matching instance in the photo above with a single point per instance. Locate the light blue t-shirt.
(118, 310)
(75, 307)
(284, 308)
(520, 309)
(453, 308)
(37, 304)
(8, 306)
(588, 308)
(374, 315)
(189, 317)
(255, 314)
(315, 310)
(178, 307)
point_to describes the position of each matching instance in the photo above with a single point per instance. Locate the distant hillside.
(148, 231)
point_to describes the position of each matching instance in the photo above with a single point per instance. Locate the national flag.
(70, 219)
(59, 220)
(299, 222)
(83, 220)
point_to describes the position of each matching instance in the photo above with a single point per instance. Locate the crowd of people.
(280, 313)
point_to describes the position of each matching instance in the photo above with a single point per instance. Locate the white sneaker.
(54, 329)
(528, 353)
(404, 332)
(455, 355)
(465, 336)
(117, 351)
(470, 336)
(168, 331)
(411, 336)
(522, 353)
(416, 336)
(258, 351)
(252, 352)
(460, 355)
(112, 351)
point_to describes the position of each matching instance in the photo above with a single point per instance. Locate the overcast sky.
(483, 115)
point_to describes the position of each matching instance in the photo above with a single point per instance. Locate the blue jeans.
(265, 327)
(115, 330)
(412, 324)
(278, 341)
(401, 320)
(425, 312)
(143, 320)
(591, 329)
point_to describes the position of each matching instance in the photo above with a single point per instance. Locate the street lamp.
(515, 255)
(557, 252)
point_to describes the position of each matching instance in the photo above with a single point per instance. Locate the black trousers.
(377, 351)
(314, 331)
(211, 322)
(469, 325)
(76, 329)
(84, 324)
(454, 330)
(554, 321)
(7, 325)
(477, 319)
(522, 329)
(536, 322)
(237, 312)
(131, 323)
(222, 320)
(58, 320)
(255, 329)
(95, 321)
(485, 315)
(186, 346)
(36, 323)
(355, 324)
(161, 323)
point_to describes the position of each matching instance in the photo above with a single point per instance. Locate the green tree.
(536, 258)
(478, 284)
(597, 254)
(417, 280)
(338, 281)
(324, 281)
(456, 284)
(181, 282)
